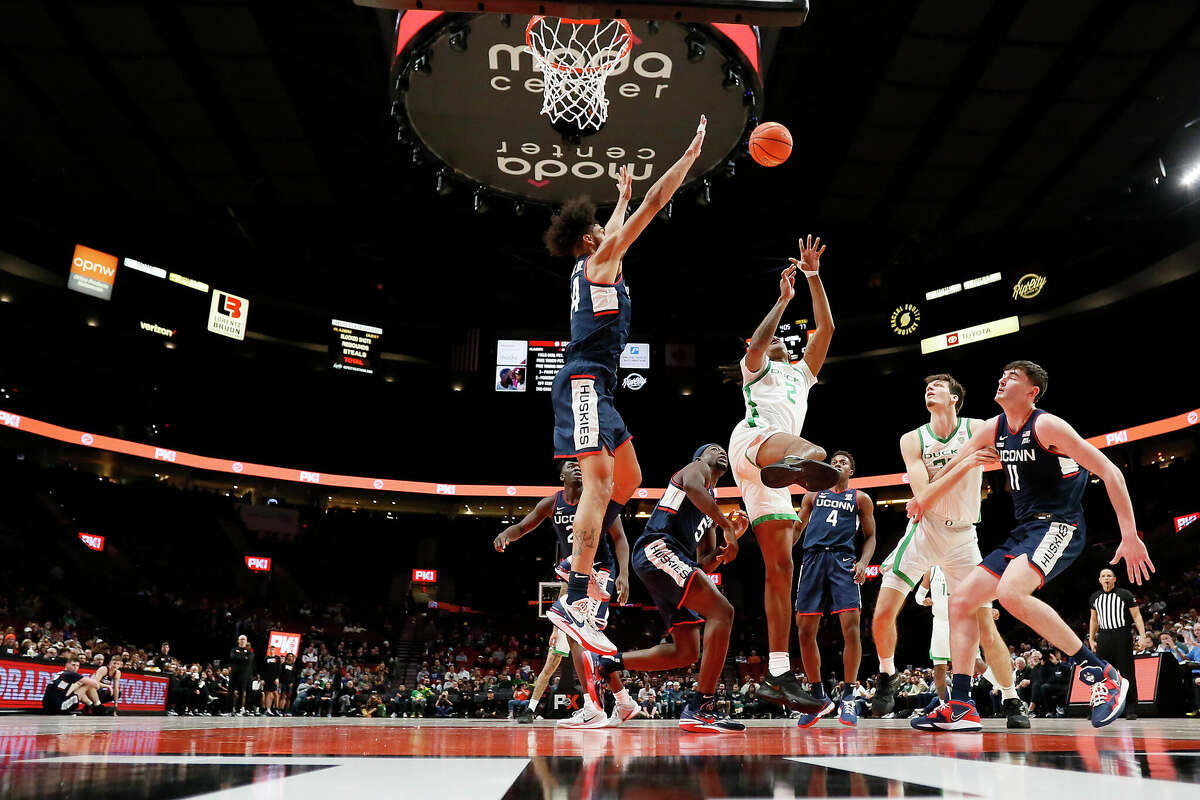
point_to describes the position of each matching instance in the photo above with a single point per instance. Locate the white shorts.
(927, 543)
(762, 503)
(939, 641)
(559, 644)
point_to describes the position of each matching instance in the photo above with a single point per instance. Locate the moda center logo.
(478, 109)
(227, 315)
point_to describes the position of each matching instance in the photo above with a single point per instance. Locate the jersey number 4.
(575, 295)
(832, 518)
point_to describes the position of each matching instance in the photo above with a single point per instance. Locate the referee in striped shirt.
(1112, 609)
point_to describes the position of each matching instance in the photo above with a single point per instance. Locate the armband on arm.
(920, 595)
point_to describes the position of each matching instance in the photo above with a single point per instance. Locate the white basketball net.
(576, 57)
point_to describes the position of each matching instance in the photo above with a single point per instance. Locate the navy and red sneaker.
(1109, 693)
(957, 716)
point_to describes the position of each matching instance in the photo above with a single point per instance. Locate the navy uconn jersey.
(599, 318)
(676, 516)
(833, 521)
(1041, 482)
(564, 527)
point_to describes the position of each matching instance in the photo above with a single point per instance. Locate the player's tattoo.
(587, 536)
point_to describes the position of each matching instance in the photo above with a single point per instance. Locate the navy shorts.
(826, 584)
(667, 573)
(1051, 546)
(585, 419)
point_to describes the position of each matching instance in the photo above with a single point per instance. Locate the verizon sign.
(424, 576)
(258, 563)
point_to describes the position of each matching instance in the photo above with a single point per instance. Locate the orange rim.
(537, 18)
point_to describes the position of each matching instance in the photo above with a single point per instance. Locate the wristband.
(811, 274)
(921, 594)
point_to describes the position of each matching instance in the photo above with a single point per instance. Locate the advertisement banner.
(92, 272)
(284, 643)
(227, 315)
(23, 681)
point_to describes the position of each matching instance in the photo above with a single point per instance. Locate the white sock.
(990, 677)
(588, 704)
(778, 663)
(623, 697)
(1008, 693)
(888, 665)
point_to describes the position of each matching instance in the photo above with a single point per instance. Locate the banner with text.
(23, 682)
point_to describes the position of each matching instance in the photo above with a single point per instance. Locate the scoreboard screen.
(524, 363)
(354, 346)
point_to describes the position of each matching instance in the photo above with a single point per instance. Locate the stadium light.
(1190, 176)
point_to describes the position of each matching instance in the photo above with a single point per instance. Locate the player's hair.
(954, 386)
(845, 453)
(1037, 376)
(568, 225)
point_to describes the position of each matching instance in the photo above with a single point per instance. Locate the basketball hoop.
(576, 57)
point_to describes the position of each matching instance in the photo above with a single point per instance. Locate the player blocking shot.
(560, 509)
(1046, 465)
(830, 578)
(945, 537)
(769, 454)
(672, 556)
(587, 425)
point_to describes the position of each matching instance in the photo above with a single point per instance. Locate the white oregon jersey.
(777, 397)
(939, 593)
(960, 504)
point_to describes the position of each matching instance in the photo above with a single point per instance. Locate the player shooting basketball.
(587, 425)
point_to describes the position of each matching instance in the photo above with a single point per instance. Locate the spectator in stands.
(520, 700)
(670, 700)
(1145, 646)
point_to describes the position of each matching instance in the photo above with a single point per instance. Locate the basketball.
(770, 144)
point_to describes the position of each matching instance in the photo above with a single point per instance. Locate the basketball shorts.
(1050, 545)
(585, 419)
(559, 644)
(826, 583)
(939, 641)
(929, 542)
(667, 573)
(762, 503)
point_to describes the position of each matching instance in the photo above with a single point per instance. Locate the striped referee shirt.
(1112, 609)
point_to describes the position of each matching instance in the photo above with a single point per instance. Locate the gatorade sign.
(92, 272)
(227, 314)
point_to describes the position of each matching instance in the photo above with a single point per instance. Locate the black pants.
(1116, 648)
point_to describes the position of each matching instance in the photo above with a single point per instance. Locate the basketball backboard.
(774, 13)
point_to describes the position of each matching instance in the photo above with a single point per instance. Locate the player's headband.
(700, 451)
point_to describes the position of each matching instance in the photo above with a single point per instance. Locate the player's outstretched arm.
(806, 507)
(810, 265)
(621, 549)
(624, 192)
(1060, 438)
(866, 517)
(606, 263)
(979, 451)
(540, 513)
(756, 350)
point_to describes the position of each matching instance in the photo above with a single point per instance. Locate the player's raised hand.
(810, 254)
(787, 281)
(500, 542)
(624, 186)
(698, 140)
(1137, 559)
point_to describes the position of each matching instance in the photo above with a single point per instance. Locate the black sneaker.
(884, 700)
(525, 718)
(785, 690)
(1017, 713)
(813, 476)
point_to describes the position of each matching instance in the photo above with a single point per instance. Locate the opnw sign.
(284, 643)
(258, 563)
(424, 576)
(93, 541)
(227, 315)
(1185, 520)
(92, 272)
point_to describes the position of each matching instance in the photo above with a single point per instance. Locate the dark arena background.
(279, 335)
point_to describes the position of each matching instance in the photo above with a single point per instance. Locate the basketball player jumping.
(768, 454)
(587, 425)
(1046, 464)
(560, 509)
(829, 580)
(945, 536)
(671, 557)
